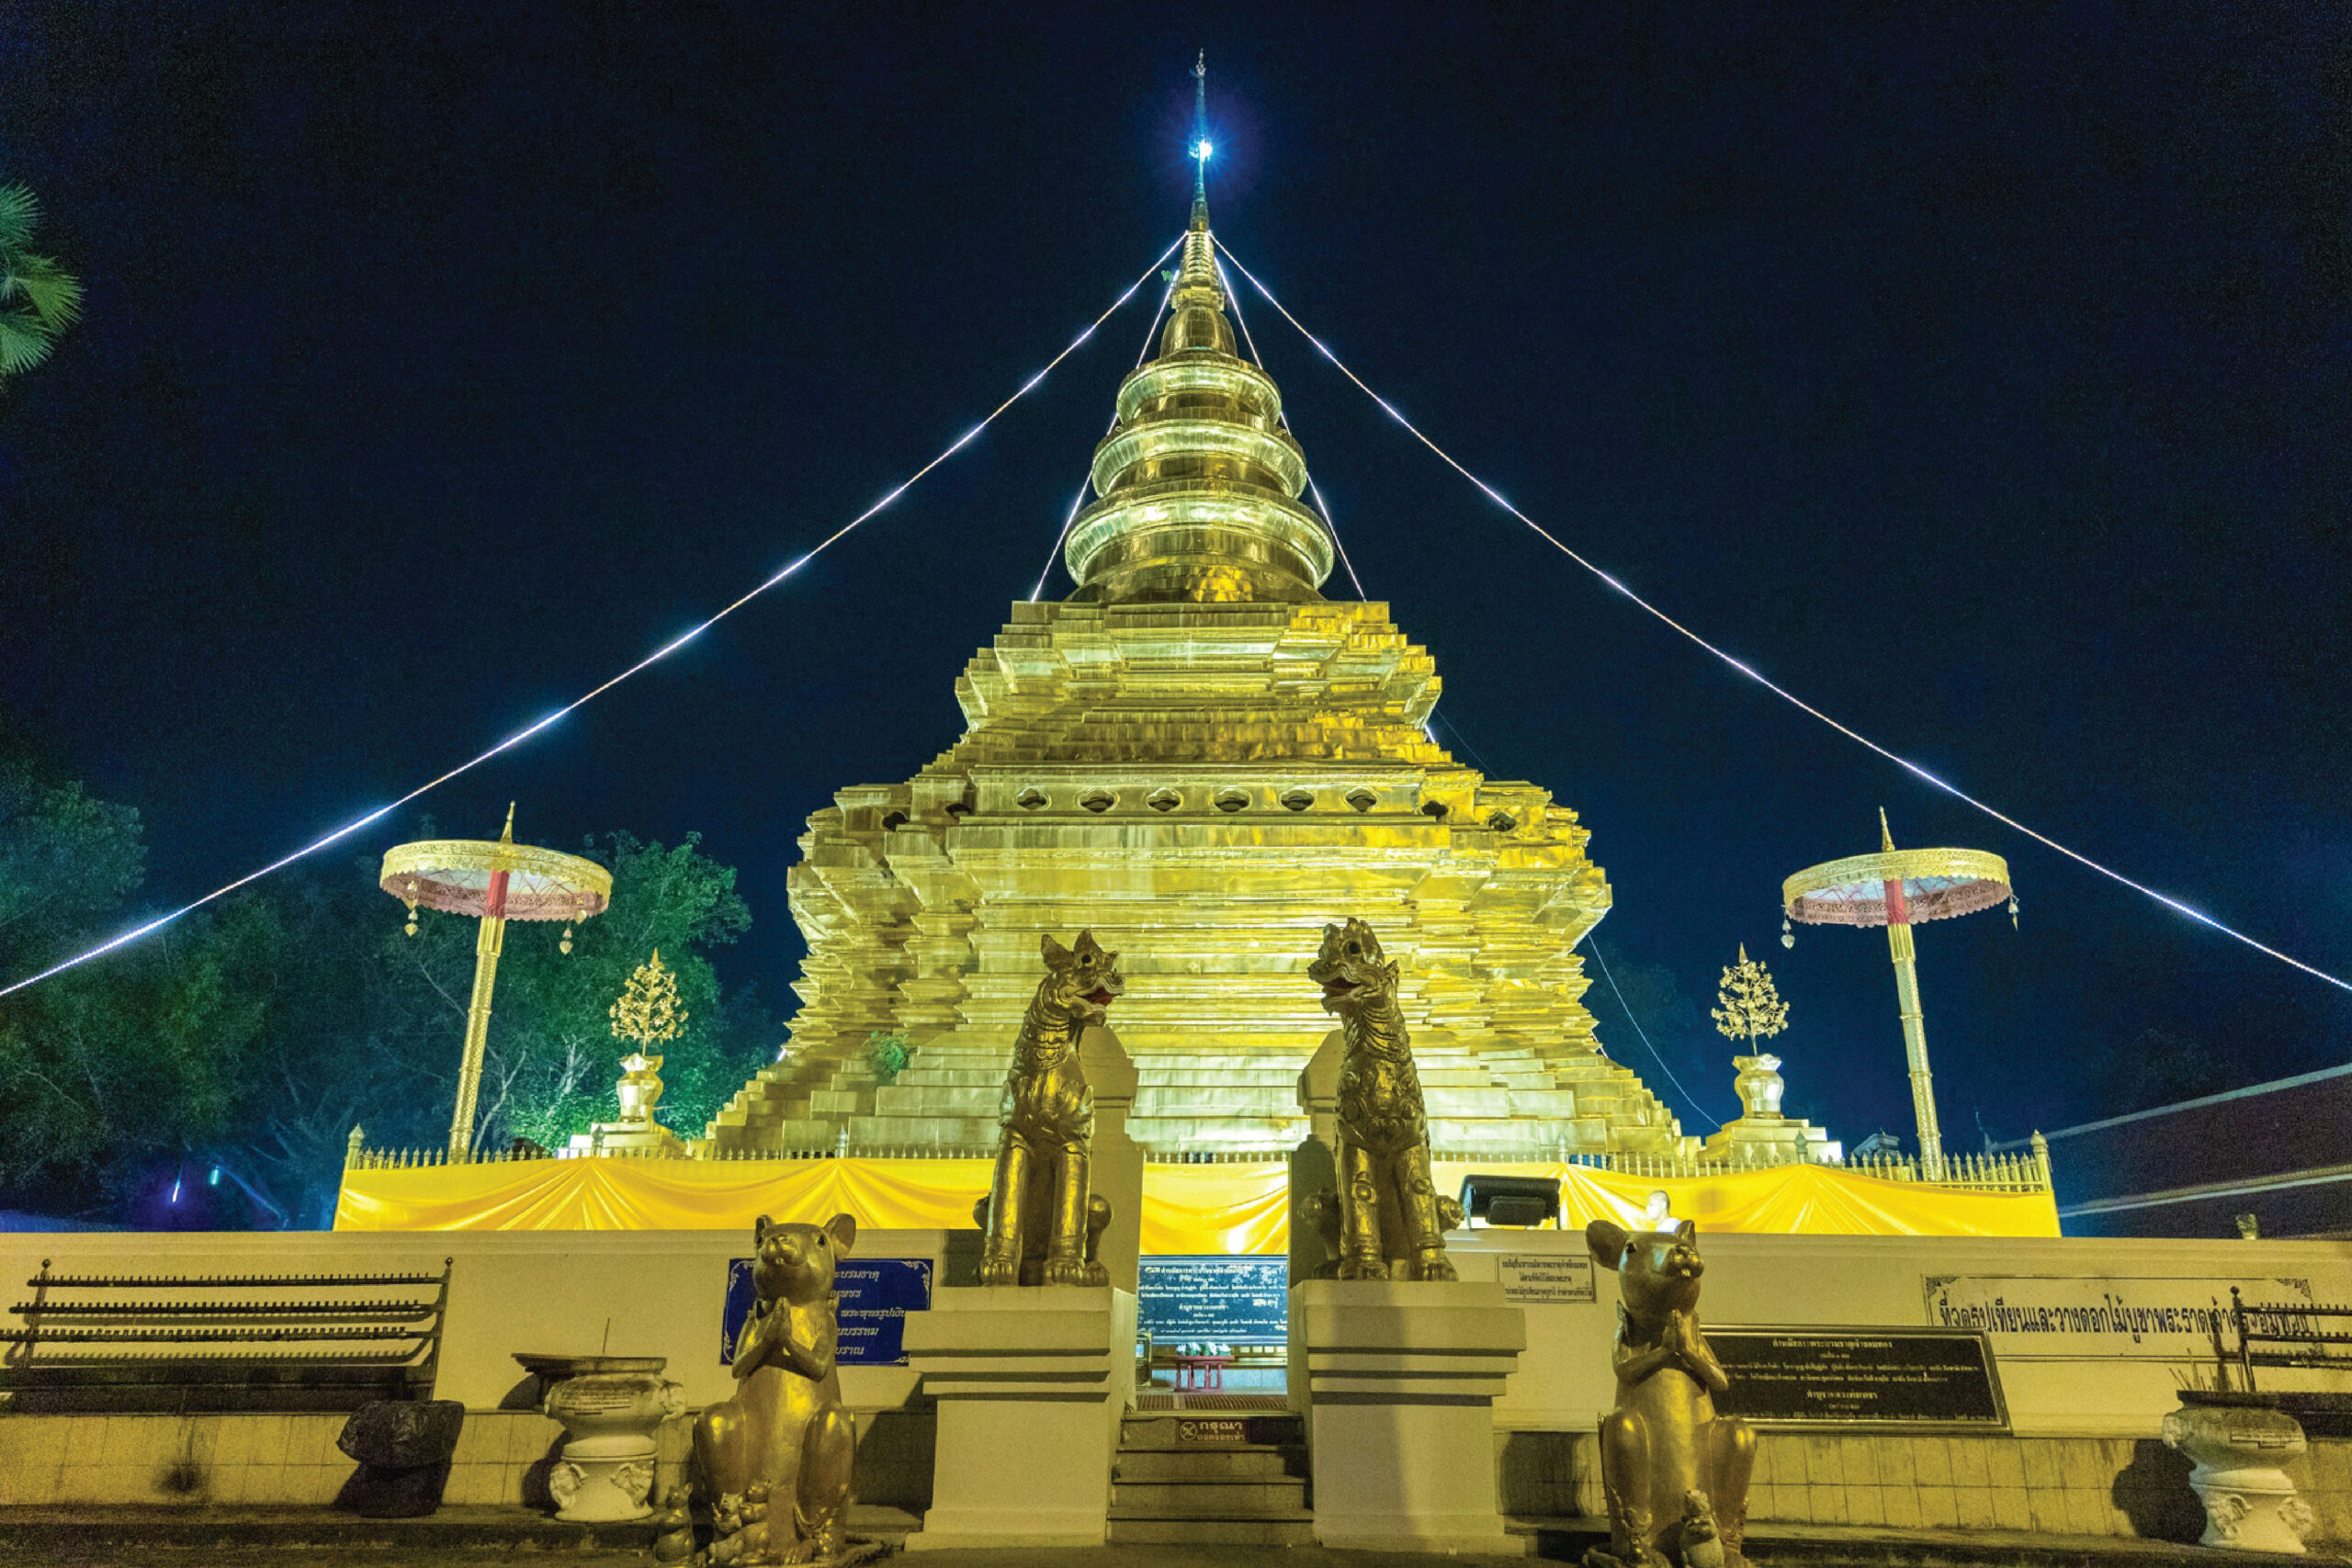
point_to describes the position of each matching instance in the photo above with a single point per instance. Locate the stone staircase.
(1211, 1479)
(1483, 1094)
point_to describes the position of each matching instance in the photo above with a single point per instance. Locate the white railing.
(1987, 1173)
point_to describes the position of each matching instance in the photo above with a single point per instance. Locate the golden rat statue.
(778, 1456)
(1389, 1227)
(1042, 1220)
(1675, 1473)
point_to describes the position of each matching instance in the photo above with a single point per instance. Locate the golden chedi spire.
(1198, 482)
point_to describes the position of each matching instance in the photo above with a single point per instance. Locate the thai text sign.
(877, 1294)
(1216, 1299)
(1903, 1377)
(2074, 1317)
(1538, 1278)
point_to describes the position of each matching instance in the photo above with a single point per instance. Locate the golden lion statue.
(1042, 1220)
(1389, 1227)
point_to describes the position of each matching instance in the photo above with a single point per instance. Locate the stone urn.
(2238, 1441)
(610, 1407)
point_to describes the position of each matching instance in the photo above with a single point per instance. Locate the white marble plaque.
(1542, 1279)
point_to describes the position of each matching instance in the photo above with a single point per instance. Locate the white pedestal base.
(1401, 1381)
(1031, 1381)
(607, 1471)
(2250, 1504)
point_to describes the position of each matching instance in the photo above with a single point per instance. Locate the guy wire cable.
(1689, 1099)
(1078, 501)
(1786, 696)
(1233, 298)
(659, 654)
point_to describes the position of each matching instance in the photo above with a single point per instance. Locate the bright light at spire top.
(1202, 150)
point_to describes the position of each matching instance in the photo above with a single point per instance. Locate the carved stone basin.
(610, 1407)
(2238, 1442)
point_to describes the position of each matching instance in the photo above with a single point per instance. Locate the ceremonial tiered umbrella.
(1897, 889)
(495, 883)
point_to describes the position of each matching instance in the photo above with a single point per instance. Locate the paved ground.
(366, 1556)
(1984, 1551)
(496, 1537)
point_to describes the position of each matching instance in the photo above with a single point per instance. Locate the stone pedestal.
(2238, 1447)
(1032, 1381)
(628, 1137)
(610, 1407)
(1314, 1164)
(1114, 1167)
(1401, 1381)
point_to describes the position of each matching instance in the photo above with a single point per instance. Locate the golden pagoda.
(1202, 760)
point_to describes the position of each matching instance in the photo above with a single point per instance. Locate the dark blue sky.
(1980, 373)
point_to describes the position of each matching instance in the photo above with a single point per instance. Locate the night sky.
(1980, 374)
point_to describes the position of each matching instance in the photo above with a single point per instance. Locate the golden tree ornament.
(648, 1011)
(1752, 1010)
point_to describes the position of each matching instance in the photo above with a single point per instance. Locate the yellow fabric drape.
(1790, 1199)
(1215, 1208)
(662, 1194)
(1187, 1209)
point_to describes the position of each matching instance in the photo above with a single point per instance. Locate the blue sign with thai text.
(1215, 1299)
(876, 1294)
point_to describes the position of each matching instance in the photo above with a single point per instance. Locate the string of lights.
(1688, 1097)
(1079, 499)
(1233, 301)
(1776, 690)
(147, 927)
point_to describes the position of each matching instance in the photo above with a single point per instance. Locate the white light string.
(1078, 501)
(1782, 692)
(1233, 298)
(1691, 1099)
(126, 938)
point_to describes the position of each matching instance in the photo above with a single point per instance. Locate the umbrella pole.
(488, 944)
(1914, 1033)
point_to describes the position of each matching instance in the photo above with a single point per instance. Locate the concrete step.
(1218, 1430)
(1124, 1531)
(1254, 1464)
(1280, 1497)
(1271, 1078)
(1204, 1105)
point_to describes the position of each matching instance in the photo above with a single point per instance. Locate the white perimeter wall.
(658, 1293)
(661, 1293)
(2103, 1385)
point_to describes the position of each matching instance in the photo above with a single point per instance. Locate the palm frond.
(25, 341)
(54, 294)
(19, 212)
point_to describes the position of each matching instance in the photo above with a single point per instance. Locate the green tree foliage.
(256, 1033)
(39, 299)
(104, 1069)
(552, 1060)
(888, 1055)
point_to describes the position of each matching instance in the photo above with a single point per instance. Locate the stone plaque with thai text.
(1915, 1378)
(876, 1294)
(1214, 1299)
(1541, 1278)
